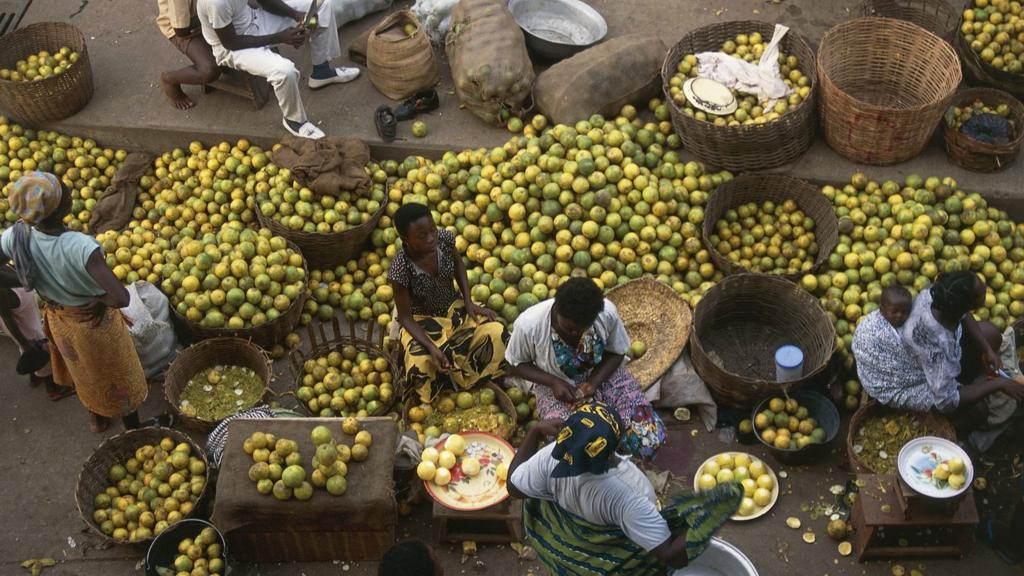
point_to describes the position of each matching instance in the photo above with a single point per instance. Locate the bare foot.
(177, 97)
(98, 423)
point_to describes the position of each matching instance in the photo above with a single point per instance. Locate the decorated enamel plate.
(480, 491)
(758, 511)
(920, 467)
(709, 96)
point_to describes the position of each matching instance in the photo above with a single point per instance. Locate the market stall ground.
(46, 444)
(129, 109)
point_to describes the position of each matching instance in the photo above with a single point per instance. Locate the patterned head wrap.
(955, 293)
(35, 196)
(587, 442)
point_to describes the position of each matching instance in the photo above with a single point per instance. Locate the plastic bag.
(435, 17)
(762, 80)
(151, 330)
(346, 11)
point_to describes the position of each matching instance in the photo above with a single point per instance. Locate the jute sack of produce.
(400, 62)
(602, 79)
(491, 69)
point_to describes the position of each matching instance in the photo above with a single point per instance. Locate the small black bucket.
(164, 548)
(821, 409)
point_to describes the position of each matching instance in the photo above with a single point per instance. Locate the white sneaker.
(307, 130)
(341, 76)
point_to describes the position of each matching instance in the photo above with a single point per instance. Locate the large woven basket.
(506, 404)
(885, 84)
(979, 156)
(657, 316)
(265, 335)
(322, 342)
(49, 99)
(207, 353)
(759, 188)
(93, 478)
(753, 146)
(325, 249)
(938, 425)
(740, 323)
(935, 16)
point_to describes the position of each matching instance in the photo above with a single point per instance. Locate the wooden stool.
(902, 517)
(498, 524)
(11, 13)
(241, 83)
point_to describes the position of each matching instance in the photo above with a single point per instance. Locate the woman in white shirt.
(573, 346)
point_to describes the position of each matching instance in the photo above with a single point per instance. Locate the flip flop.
(55, 392)
(419, 103)
(387, 125)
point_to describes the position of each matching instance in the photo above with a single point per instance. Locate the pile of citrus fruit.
(156, 487)
(346, 382)
(776, 238)
(236, 278)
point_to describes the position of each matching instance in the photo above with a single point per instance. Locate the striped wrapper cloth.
(568, 545)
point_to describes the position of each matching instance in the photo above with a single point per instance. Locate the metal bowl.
(720, 559)
(557, 29)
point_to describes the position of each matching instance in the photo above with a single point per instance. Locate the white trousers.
(324, 45)
(29, 321)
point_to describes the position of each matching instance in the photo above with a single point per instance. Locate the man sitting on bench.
(242, 36)
(177, 20)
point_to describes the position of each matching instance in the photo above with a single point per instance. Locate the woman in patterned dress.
(574, 346)
(446, 338)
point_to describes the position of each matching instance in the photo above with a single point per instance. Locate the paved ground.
(47, 443)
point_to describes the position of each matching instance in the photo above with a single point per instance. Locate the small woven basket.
(936, 424)
(93, 478)
(983, 72)
(207, 353)
(935, 16)
(506, 404)
(759, 188)
(53, 98)
(265, 335)
(740, 323)
(322, 343)
(657, 316)
(885, 84)
(325, 249)
(753, 146)
(979, 156)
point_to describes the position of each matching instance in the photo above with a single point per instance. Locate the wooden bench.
(240, 83)
(498, 524)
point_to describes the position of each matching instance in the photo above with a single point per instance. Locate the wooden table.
(879, 491)
(498, 524)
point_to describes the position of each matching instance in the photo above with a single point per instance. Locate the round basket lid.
(655, 315)
(789, 356)
(709, 96)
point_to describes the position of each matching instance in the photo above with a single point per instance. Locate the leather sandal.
(419, 103)
(387, 125)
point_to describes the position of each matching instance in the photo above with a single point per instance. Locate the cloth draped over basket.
(761, 79)
(327, 166)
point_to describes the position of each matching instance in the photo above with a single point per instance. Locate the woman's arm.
(974, 393)
(529, 371)
(528, 447)
(404, 311)
(989, 356)
(610, 362)
(116, 295)
(463, 282)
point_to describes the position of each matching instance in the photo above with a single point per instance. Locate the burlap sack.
(326, 166)
(400, 64)
(491, 69)
(602, 79)
(114, 209)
